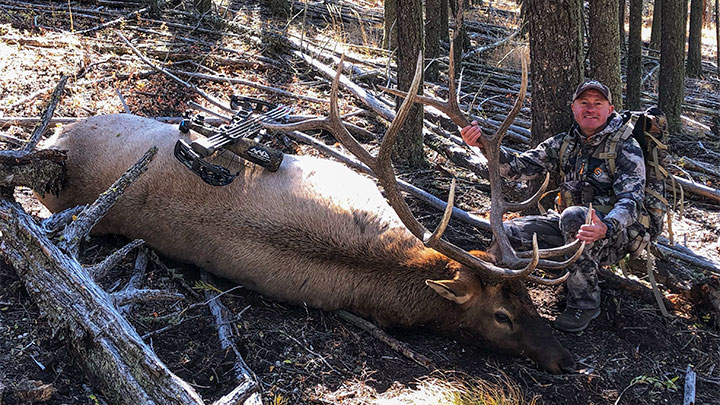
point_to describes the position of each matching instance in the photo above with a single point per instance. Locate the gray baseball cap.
(595, 85)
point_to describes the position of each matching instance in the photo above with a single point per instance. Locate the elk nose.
(567, 364)
(557, 362)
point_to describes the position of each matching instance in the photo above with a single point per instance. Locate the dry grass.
(458, 390)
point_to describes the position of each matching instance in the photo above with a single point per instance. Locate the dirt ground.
(630, 354)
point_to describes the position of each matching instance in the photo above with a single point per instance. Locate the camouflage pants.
(555, 230)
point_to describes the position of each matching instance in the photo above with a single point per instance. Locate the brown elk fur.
(313, 232)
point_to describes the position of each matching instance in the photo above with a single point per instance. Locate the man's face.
(591, 111)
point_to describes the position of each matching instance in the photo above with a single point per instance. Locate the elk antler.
(491, 148)
(382, 167)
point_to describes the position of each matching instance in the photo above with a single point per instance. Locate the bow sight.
(245, 123)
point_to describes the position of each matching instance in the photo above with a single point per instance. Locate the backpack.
(650, 130)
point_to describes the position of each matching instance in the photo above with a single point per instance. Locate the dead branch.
(249, 83)
(49, 111)
(622, 283)
(91, 215)
(485, 48)
(113, 22)
(29, 121)
(394, 344)
(247, 390)
(189, 86)
(689, 393)
(100, 270)
(132, 293)
(122, 101)
(703, 167)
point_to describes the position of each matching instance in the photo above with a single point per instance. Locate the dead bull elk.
(314, 231)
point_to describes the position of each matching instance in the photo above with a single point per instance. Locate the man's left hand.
(596, 230)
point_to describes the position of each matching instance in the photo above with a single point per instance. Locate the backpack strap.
(654, 161)
(612, 144)
(561, 154)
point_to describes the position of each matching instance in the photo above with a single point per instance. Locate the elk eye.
(501, 317)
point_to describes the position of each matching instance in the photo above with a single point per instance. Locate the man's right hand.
(471, 135)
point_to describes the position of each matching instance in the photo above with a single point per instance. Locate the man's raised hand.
(471, 135)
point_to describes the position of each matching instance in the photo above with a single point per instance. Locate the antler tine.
(546, 281)
(578, 245)
(384, 169)
(432, 240)
(553, 252)
(532, 200)
(551, 264)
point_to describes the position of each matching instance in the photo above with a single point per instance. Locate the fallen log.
(698, 189)
(101, 341)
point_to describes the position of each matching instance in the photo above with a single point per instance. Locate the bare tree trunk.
(604, 47)
(717, 33)
(433, 34)
(556, 51)
(672, 69)
(694, 56)
(409, 146)
(634, 56)
(444, 19)
(655, 34)
(390, 26)
(621, 22)
(460, 38)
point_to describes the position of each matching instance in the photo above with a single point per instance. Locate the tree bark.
(604, 49)
(460, 38)
(390, 27)
(717, 34)
(433, 35)
(655, 34)
(621, 22)
(409, 146)
(556, 52)
(672, 69)
(694, 56)
(634, 56)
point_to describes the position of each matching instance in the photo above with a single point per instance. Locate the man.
(584, 180)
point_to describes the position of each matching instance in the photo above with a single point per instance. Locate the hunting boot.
(575, 319)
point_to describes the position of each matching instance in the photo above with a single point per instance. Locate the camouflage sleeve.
(628, 185)
(534, 162)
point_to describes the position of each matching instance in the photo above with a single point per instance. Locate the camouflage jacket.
(585, 176)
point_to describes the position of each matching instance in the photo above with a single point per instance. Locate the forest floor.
(630, 354)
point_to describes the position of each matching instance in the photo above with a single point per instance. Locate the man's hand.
(596, 230)
(471, 135)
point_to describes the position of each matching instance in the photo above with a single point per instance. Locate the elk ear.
(453, 290)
